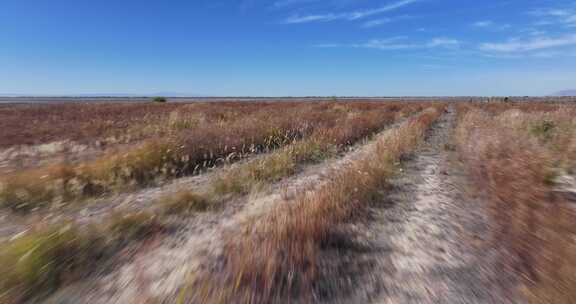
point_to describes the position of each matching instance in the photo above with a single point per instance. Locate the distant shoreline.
(112, 99)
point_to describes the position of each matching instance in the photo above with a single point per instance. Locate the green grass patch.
(43, 260)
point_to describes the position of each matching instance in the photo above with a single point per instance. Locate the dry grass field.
(355, 201)
(524, 158)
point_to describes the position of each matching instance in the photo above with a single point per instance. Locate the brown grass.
(323, 143)
(190, 150)
(276, 257)
(516, 157)
(47, 258)
(31, 124)
(28, 124)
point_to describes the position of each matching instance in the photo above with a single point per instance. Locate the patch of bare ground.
(156, 271)
(429, 240)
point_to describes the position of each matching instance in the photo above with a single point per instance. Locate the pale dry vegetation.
(519, 155)
(322, 143)
(186, 151)
(180, 140)
(269, 247)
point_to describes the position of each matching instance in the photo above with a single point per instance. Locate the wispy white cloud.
(534, 32)
(443, 42)
(554, 16)
(554, 54)
(386, 44)
(545, 37)
(311, 18)
(378, 22)
(386, 20)
(546, 54)
(534, 44)
(555, 12)
(349, 16)
(490, 25)
(484, 23)
(398, 43)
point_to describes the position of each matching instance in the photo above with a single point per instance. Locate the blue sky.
(288, 47)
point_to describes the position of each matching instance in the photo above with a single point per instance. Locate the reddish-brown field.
(188, 141)
(146, 146)
(351, 201)
(32, 124)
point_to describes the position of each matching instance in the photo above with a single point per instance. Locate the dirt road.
(431, 238)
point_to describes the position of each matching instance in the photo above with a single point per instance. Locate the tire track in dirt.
(94, 210)
(431, 239)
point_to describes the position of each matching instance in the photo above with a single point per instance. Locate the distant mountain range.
(566, 93)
